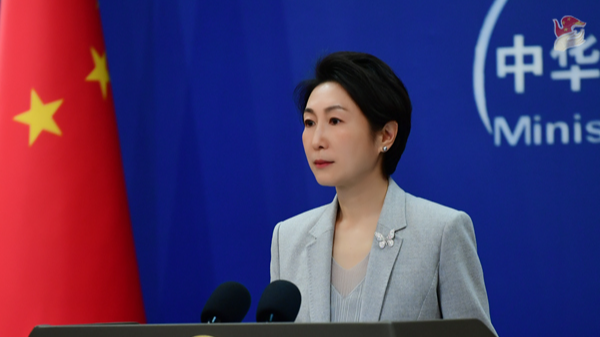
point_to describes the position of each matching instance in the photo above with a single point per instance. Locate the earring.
(385, 149)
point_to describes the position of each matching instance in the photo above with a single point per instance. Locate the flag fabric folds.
(66, 246)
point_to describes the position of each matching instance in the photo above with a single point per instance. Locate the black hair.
(374, 87)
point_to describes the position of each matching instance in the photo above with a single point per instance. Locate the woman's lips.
(322, 163)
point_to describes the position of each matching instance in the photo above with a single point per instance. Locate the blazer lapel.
(319, 252)
(381, 261)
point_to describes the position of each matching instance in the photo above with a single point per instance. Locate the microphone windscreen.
(229, 303)
(280, 302)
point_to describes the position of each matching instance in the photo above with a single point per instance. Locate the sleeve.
(275, 254)
(461, 287)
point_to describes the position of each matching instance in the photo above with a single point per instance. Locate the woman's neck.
(362, 200)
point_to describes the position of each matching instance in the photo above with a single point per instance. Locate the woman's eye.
(308, 122)
(334, 121)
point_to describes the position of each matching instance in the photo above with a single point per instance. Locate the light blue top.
(346, 291)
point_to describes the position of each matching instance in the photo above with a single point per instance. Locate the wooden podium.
(438, 328)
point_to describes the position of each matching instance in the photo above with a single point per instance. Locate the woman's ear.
(388, 134)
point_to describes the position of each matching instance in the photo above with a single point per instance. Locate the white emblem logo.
(527, 62)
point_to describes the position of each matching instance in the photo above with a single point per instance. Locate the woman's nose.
(319, 140)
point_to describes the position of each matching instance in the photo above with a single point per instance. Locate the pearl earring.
(385, 149)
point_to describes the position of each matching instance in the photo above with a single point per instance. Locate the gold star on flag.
(100, 72)
(39, 117)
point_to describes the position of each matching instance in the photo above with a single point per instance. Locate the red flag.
(66, 247)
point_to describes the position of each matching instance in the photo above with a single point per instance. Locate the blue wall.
(213, 156)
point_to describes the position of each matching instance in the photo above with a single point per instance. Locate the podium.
(437, 328)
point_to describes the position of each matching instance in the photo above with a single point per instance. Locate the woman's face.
(339, 144)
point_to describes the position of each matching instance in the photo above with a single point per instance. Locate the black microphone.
(280, 302)
(229, 303)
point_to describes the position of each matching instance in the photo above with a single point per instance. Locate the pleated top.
(346, 291)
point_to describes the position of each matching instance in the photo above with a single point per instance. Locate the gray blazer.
(432, 271)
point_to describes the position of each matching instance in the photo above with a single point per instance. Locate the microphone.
(229, 303)
(280, 302)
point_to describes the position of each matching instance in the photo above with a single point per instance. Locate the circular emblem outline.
(479, 65)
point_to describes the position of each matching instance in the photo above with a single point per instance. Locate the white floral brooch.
(385, 240)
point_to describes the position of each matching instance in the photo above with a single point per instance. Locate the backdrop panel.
(509, 133)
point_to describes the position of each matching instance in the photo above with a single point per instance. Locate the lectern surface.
(439, 328)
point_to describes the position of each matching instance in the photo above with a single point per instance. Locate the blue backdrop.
(503, 128)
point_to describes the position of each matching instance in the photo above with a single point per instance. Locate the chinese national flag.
(66, 246)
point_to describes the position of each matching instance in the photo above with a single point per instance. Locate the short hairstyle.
(374, 87)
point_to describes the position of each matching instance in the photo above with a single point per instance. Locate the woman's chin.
(325, 180)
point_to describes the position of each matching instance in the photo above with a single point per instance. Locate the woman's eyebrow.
(334, 107)
(328, 109)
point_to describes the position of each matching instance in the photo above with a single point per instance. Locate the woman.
(376, 252)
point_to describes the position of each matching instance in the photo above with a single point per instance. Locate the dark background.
(213, 159)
